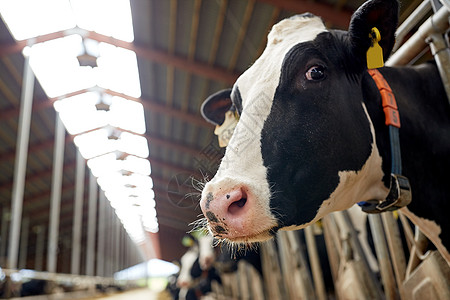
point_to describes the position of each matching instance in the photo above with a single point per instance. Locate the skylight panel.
(30, 18)
(125, 185)
(107, 17)
(81, 107)
(128, 115)
(118, 70)
(108, 130)
(94, 143)
(133, 144)
(57, 68)
(105, 164)
(98, 110)
(105, 140)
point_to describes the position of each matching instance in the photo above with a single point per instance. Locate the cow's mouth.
(260, 236)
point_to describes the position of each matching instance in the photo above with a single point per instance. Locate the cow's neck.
(424, 139)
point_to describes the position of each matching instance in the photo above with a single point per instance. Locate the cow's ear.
(215, 106)
(382, 14)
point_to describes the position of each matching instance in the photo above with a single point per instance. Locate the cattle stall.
(370, 256)
(410, 272)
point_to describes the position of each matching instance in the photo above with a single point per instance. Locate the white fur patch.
(242, 164)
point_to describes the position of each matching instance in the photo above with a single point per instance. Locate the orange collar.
(400, 191)
(387, 99)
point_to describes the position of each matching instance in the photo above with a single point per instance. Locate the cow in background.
(311, 137)
(197, 271)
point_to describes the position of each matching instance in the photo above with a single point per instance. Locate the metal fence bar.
(55, 198)
(416, 43)
(381, 249)
(413, 19)
(319, 284)
(20, 164)
(396, 248)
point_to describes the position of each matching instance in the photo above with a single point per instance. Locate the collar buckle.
(399, 196)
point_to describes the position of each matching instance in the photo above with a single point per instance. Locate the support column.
(77, 215)
(55, 198)
(24, 243)
(108, 243)
(20, 162)
(40, 243)
(92, 214)
(4, 237)
(100, 271)
(117, 245)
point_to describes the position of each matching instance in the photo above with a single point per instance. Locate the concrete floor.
(138, 294)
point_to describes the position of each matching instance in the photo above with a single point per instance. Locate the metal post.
(117, 245)
(101, 235)
(396, 249)
(55, 198)
(319, 284)
(77, 214)
(24, 243)
(20, 164)
(3, 245)
(419, 13)
(108, 244)
(441, 54)
(437, 23)
(92, 213)
(381, 249)
(40, 240)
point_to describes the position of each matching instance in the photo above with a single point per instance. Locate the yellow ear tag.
(225, 131)
(375, 52)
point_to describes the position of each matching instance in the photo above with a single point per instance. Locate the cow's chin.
(245, 240)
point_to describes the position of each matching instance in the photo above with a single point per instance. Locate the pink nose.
(227, 212)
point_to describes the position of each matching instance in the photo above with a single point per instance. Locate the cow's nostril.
(236, 205)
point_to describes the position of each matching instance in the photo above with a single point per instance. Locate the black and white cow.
(311, 137)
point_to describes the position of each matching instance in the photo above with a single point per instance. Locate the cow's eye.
(315, 73)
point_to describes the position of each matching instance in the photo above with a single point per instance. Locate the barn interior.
(54, 205)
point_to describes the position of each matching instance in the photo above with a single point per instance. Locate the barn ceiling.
(186, 50)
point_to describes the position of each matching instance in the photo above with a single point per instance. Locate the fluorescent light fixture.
(107, 17)
(30, 18)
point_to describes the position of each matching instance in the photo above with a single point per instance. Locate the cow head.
(304, 145)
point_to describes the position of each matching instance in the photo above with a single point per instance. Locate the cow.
(311, 136)
(197, 270)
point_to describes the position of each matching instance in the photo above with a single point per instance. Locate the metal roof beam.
(339, 18)
(158, 56)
